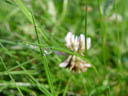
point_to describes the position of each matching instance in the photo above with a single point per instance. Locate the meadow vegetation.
(32, 46)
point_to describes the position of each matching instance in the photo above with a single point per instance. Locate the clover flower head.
(76, 44)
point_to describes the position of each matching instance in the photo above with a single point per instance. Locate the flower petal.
(66, 62)
(87, 65)
(76, 44)
(63, 64)
(73, 39)
(82, 41)
(88, 43)
(68, 39)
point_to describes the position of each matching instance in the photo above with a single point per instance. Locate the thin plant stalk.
(86, 24)
(44, 61)
(67, 86)
(118, 34)
(103, 31)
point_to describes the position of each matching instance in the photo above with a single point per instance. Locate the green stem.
(44, 59)
(118, 34)
(86, 24)
(103, 32)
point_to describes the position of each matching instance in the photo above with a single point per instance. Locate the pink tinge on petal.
(63, 64)
(88, 65)
(59, 53)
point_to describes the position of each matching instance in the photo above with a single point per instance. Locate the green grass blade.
(118, 34)
(103, 31)
(24, 10)
(28, 15)
(86, 25)
(17, 72)
(44, 61)
(67, 86)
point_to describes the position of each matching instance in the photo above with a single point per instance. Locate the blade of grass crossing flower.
(43, 89)
(86, 24)
(44, 61)
(20, 92)
(54, 48)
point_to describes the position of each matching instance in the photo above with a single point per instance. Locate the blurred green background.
(107, 26)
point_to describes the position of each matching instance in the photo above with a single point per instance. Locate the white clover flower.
(76, 44)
